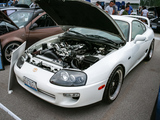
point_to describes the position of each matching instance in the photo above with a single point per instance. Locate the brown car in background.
(28, 25)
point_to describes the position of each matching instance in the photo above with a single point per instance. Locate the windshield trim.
(127, 39)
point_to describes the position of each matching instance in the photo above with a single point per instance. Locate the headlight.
(69, 78)
(21, 60)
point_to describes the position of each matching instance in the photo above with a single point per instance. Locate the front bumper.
(55, 94)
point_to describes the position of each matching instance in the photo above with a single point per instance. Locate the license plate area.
(30, 83)
(154, 26)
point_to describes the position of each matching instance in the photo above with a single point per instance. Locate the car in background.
(28, 25)
(151, 14)
(134, 12)
(25, 2)
(155, 24)
(156, 110)
(89, 61)
(154, 12)
(10, 10)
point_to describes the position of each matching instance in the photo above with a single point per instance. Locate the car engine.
(68, 53)
(6, 29)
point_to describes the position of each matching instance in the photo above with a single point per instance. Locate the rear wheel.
(8, 49)
(114, 85)
(150, 52)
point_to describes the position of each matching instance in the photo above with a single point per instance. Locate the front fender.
(11, 39)
(103, 68)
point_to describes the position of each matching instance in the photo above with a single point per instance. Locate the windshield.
(124, 26)
(21, 18)
(87, 32)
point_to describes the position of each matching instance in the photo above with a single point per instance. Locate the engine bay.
(6, 29)
(68, 53)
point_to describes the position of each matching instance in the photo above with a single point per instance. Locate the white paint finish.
(129, 55)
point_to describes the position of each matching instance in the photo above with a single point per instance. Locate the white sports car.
(89, 61)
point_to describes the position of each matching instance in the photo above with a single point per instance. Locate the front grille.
(46, 93)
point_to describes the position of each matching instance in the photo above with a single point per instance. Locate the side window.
(143, 27)
(45, 21)
(137, 29)
(124, 26)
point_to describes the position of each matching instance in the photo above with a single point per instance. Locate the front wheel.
(114, 85)
(8, 49)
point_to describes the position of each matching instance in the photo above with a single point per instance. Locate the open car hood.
(4, 17)
(78, 13)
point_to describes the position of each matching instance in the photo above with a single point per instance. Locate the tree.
(150, 2)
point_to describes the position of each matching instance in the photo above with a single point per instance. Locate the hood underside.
(79, 13)
(4, 17)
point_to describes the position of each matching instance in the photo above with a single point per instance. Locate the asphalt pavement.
(135, 101)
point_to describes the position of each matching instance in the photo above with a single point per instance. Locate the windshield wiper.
(77, 33)
(102, 38)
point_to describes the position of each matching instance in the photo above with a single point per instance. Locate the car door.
(40, 28)
(136, 50)
(139, 28)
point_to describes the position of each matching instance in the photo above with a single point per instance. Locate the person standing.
(144, 12)
(139, 10)
(130, 8)
(122, 9)
(125, 12)
(109, 8)
(115, 8)
(15, 2)
(98, 4)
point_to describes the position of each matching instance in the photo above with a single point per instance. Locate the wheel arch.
(108, 82)
(10, 40)
(124, 70)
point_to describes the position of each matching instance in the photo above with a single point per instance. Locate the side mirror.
(33, 26)
(139, 38)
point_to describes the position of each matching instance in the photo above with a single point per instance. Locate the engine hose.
(72, 64)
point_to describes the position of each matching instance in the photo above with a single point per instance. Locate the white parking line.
(9, 112)
(157, 38)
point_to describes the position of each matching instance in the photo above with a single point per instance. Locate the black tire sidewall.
(106, 97)
(4, 49)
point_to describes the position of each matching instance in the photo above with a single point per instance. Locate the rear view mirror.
(33, 26)
(140, 38)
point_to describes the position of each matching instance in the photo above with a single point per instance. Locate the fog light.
(71, 94)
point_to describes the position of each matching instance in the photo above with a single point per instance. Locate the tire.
(150, 52)
(114, 85)
(7, 51)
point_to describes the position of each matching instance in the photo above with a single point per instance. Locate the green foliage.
(150, 2)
